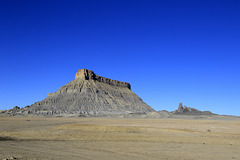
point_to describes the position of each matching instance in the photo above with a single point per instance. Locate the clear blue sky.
(170, 51)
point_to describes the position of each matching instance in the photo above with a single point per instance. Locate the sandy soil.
(112, 139)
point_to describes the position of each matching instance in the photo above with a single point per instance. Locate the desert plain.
(30, 138)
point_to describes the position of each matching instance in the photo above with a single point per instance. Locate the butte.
(90, 95)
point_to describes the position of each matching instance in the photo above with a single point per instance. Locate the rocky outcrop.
(12, 112)
(86, 74)
(82, 77)
(89, 95)
(191, 111)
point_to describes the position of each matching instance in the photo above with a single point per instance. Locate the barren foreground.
(98, 138)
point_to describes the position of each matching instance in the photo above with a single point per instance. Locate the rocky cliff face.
(85, 74)
(90, 94)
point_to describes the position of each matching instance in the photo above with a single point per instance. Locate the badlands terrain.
(97, 118)
(119, 138)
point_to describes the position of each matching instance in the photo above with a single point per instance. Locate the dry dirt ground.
(115, 139)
